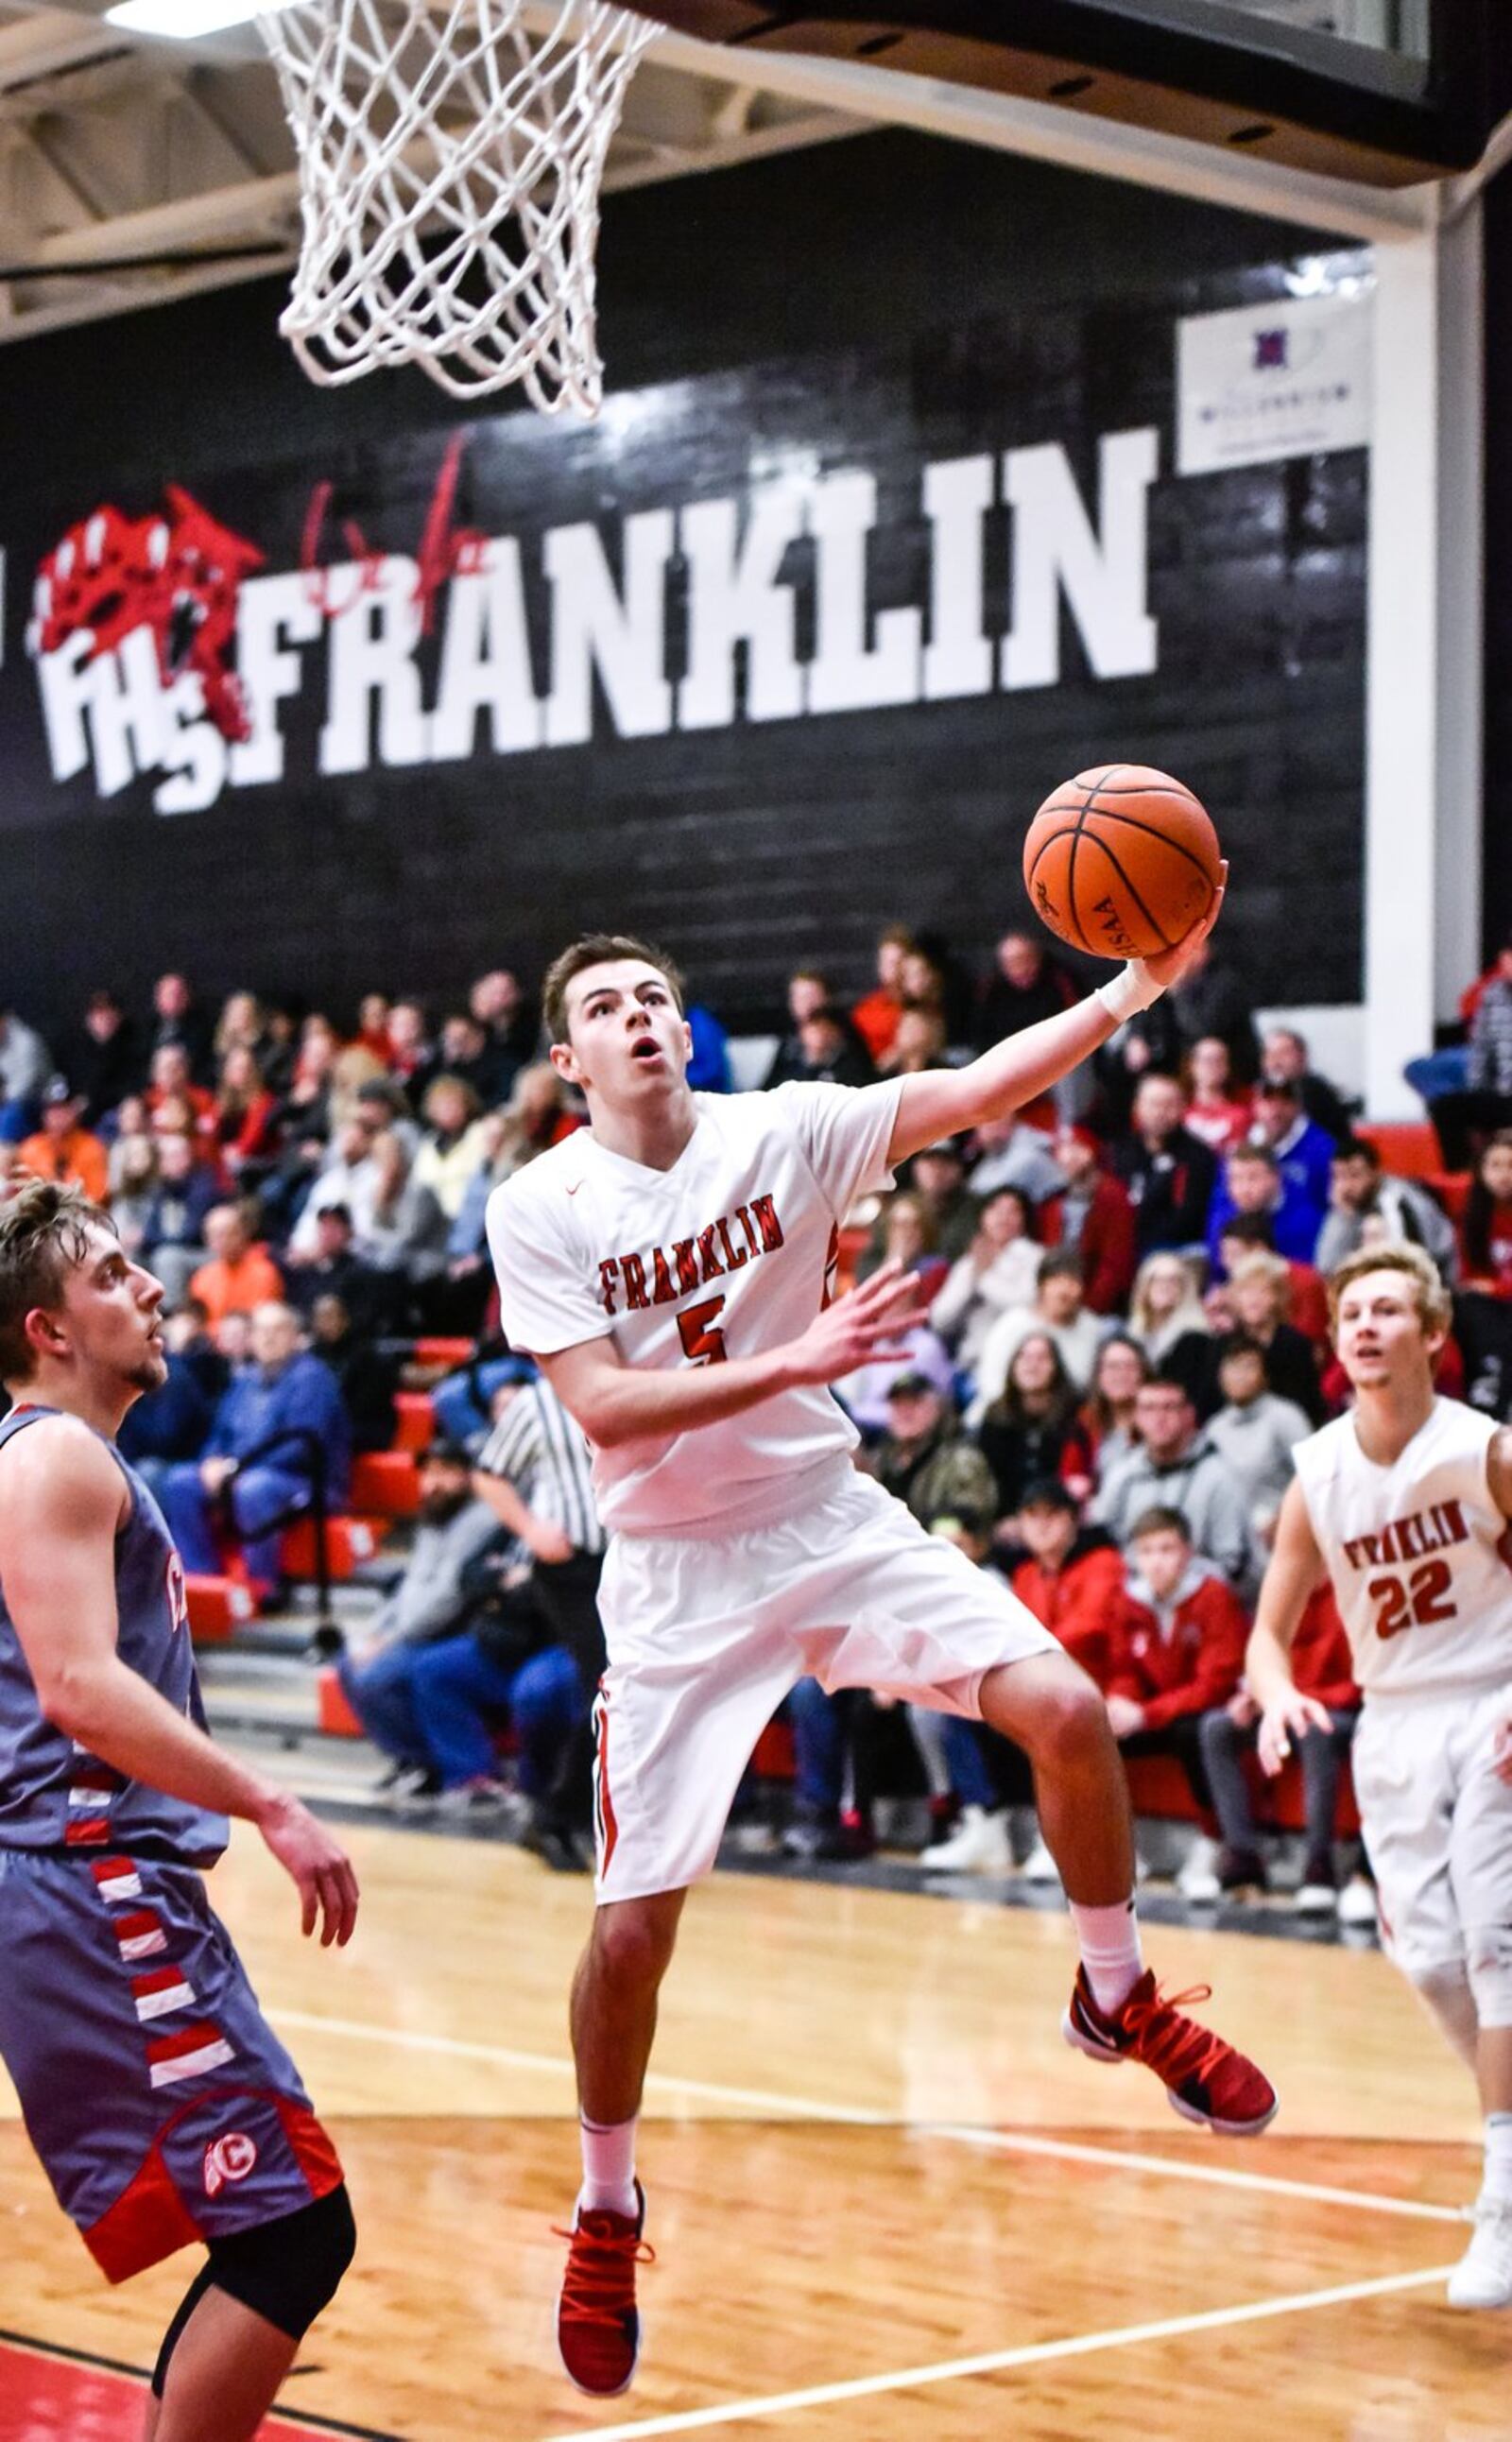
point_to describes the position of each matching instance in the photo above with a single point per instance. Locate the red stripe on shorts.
(609, 1830)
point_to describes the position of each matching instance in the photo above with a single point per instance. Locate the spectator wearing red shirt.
(171, 1080)
(1324, 1670)
(1218, 1111)
(875, 1019)
(372, 1025)
(246, 1112)
(1073, 1578)
(1178, 1646)
(1092, 1218)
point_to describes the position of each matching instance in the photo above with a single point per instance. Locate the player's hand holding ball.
(1124, 861)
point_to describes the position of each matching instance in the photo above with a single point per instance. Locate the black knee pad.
(287, 2271)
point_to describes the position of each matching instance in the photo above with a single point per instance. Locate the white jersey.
(1418, 1552)
(729, 1253)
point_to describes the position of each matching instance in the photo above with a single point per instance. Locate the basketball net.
(451, 160)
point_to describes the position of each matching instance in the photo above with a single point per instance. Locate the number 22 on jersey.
(1418, 1601)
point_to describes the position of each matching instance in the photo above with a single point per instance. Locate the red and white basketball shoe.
(599, 2325)
(1204, 2078)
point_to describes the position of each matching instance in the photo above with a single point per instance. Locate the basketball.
(1121, 861)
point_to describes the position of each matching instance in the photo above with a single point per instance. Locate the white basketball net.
(449, 168)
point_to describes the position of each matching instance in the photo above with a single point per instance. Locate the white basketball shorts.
(1437, 1821)
(705, 1637)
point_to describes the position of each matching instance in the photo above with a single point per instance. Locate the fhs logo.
(178, 575)
(1271, 351)
(228, 2160)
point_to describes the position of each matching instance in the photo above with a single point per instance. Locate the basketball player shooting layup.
(668, 1267)
(1405, 1501)
(163, 2106)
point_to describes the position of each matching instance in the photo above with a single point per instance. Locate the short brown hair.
(43, 1237)
(1158, 1520)
(1432, 1298)
(598, 950)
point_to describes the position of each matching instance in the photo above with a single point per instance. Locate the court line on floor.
(800, 2109)
(1174, 2328)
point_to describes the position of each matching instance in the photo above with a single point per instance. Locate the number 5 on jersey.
(701, 1343)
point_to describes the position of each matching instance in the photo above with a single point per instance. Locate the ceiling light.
(182, 21)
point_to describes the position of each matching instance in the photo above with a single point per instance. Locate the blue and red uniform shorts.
(163, 2106)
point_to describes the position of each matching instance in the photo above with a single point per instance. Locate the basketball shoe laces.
(1176, 2047)
(598, 2285)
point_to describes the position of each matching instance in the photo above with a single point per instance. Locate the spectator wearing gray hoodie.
(1176, 1467)
(1255, 1432)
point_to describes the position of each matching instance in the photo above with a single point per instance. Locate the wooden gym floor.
(886, 2200)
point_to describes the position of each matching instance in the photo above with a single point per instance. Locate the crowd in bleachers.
(1119, 1332)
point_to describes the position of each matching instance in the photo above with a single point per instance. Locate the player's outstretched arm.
(1295, 1567)
(62, 1500)
(615, 1402)
(942, 1101)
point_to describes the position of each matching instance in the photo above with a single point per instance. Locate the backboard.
(1387, 92)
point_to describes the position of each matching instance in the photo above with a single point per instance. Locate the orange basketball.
(1121, 862)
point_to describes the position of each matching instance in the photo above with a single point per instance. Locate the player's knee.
(634, 1942)
(288, 2271)
(1488, 1965)
(1069, 1723)
(1444, 1987)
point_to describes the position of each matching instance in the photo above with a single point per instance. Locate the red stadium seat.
(349, 1542)
(442, 1351)
(1408, 1148)
(1452, 1188)
(386, 1484)
(217, 1608)
(333, 1714)
(415, 1420)
(772, 1758)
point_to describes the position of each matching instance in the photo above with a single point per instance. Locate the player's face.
(112, 1316)
(626, 1041)
(1379, 1335)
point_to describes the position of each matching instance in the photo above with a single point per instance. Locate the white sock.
(1109, 1938)
(609, 2167)
(1499, 2157)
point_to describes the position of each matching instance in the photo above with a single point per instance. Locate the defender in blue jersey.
(165, 2111)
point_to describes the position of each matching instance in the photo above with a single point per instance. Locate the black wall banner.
(771, 656)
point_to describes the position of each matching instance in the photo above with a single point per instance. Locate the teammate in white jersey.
(670, 1266)
(1405, 1501)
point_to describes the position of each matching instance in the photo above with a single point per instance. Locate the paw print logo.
(179, 574)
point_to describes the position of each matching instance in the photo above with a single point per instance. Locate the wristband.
(1133, 987)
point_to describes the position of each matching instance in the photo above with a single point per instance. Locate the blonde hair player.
(669, 1267)
(1405, 1501)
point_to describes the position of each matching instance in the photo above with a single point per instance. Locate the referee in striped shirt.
(534, 1474)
